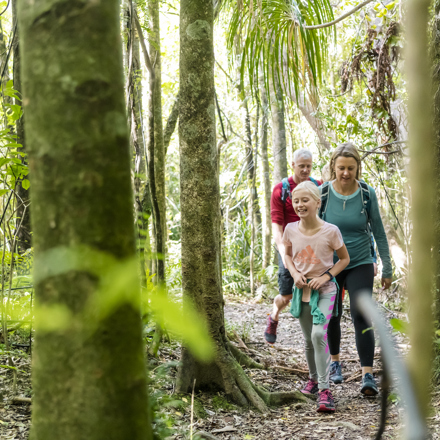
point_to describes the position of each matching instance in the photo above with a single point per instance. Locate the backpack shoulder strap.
(324, 198)
(285, 190)
(314, 181)
(365, 193)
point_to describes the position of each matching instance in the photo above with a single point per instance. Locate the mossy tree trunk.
(134, 110)
(267, 189)
(435, 52)
(86, 385)
(422, 151)
(159, 150)
(24, 232)
(279, 144)
(200, 210)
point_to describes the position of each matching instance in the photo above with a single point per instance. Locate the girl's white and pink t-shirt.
(313, 255)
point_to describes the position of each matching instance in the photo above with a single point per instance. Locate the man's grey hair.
(302, 153)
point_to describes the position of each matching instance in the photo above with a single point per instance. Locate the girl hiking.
(310, 244)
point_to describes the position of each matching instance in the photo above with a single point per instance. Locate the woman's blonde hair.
(345, 150)
(310, 187)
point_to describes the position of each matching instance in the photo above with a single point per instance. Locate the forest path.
(356, 416)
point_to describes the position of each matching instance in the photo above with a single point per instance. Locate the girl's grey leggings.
(315, 336)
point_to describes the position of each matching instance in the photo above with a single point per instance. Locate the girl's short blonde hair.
(310, 187)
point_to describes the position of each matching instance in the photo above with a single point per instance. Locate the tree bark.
(200, 210)
(87, 385)
(267, 189)
(279, 145)
(171, 124)
(159, 150)
(134, 109)
(308, 109)
(24, 233)
(435, 52)
(423, 198)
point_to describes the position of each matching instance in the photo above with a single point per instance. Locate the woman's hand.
(386, 283)
(299, 280)
(318, 282)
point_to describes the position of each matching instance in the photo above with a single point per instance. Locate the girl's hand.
(299, 280)
(386, 283)
(318, 282)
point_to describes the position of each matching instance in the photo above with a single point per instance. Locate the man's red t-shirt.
(281, 213)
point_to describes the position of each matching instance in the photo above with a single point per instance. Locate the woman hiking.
(352, 206)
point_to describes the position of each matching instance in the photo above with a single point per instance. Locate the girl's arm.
(344, 259)
(300, 280)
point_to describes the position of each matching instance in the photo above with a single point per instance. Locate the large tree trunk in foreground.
(279, 144)
(23, 212)
(89, 379)
(200, 208)
(435, 50)
(423, 199)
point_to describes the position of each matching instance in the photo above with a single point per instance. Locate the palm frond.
(273, 38)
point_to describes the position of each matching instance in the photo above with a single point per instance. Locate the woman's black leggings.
(355, 280)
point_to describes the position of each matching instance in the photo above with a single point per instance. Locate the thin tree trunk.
(423, 198)
(252, 214)
(159, 150)
(157, 221)
(134, 98)
(279, 145)
(24, 233)
(171, 124)
(89, 379)
(267, 190)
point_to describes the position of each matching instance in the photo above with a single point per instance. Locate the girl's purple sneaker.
(310, 388)
(325, 401)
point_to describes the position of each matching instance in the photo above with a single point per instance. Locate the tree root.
(226, 373)
(280, 398)
(242, 358)
(241, 389)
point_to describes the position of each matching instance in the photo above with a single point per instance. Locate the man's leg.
(281, 301)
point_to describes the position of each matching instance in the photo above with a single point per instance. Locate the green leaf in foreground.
(400, 325)
(184, 322)
(117, 285)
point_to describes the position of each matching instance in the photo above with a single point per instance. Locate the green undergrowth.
(171, 412)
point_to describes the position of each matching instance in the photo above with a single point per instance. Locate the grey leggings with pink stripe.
(315, 335)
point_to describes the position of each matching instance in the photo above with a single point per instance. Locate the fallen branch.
(291, 370)
(17, 400)
(241, 344)
(13, 328)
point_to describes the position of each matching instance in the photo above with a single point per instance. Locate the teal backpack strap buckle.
(285, 191)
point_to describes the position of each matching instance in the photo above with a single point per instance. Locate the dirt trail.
(356, 417)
